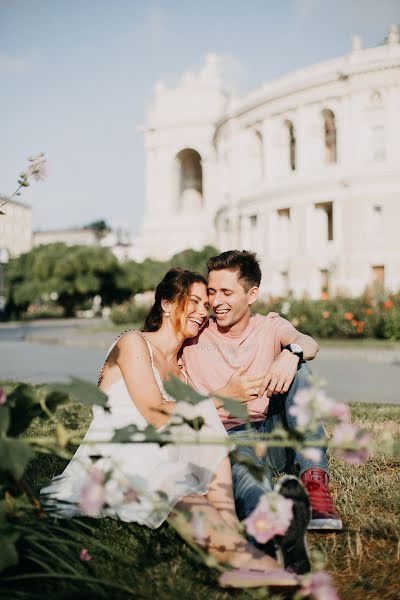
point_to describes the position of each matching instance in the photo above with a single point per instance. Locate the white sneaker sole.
(325, 524)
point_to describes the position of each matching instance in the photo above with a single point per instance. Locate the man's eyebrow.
(222, 289)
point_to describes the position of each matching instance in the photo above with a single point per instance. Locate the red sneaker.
(323, 512)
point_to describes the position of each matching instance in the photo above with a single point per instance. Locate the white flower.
(312, 454)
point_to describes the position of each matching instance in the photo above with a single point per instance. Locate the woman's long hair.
(175, 287)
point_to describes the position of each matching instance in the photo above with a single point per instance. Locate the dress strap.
(111, 348)
(149, 347)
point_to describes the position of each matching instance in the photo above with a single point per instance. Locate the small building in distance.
(15, 228)
(118, 241)
(72, 236)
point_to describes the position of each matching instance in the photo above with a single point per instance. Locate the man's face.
(228, 298)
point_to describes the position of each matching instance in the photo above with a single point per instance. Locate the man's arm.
(308, 344)
(282, 371)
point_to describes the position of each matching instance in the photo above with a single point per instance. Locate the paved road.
(352, 375)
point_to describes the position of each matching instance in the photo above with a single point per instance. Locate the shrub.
(129, 312)
(368, 316)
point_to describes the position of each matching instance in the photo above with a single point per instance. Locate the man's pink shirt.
(211, 358)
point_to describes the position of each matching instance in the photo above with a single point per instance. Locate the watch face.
(296, 348)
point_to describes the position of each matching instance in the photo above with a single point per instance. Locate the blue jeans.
(247, 489)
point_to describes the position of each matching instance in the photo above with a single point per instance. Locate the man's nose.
(215, 300)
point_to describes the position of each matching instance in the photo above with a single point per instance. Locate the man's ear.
(253, 294)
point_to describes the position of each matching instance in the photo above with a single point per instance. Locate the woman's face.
(195, 314)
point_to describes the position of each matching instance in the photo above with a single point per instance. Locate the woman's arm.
(133, 360)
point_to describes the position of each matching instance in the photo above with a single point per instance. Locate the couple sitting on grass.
(257, 360)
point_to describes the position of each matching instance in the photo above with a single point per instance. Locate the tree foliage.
(75, 274)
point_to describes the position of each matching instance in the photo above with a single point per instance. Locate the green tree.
(75, 273)
(101, 226)
(194, 260)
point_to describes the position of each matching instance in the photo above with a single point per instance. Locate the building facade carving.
(305, 170)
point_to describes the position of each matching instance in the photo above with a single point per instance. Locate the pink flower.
(348, 434)
(326, 314)
(38, 169)
(313, 454)
(198, 528)
(312, 404)
(84, 554)
(3, 397)
(92, 493)
(339, 411)
(272, 516)
(319, 587)
(130, 495)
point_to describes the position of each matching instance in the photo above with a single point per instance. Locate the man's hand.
(280, 374)
(242, 387)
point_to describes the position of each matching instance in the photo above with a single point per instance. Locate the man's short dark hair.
(243, 261)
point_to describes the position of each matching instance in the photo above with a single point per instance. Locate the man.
(261, 361)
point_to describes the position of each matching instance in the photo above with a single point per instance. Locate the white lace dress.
(156, 477)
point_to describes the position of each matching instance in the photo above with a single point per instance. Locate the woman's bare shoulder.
(132, 342)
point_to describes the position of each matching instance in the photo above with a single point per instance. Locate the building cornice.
(336, 70)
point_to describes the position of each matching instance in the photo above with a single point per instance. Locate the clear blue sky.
(76, 77)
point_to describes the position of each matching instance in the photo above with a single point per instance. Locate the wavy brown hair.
(175, 287)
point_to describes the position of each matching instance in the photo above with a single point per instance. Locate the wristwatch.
(297, 350)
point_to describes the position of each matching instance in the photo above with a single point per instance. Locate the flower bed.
(364, 317)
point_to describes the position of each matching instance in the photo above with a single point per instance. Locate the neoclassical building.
(305, 170)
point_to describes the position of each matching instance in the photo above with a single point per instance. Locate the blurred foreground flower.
(311, 405)
(38, 169)
(272, 516)
(84, 554)
(319, 587)
(349, 434)
(312, 454)
(106, 487)
(198, 528)
(92, 495)
(3, 397)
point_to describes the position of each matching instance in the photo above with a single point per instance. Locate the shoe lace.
(319, 494)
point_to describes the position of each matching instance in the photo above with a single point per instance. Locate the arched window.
(292, 144)
(255, 155)
(330, 136)
(189, 180)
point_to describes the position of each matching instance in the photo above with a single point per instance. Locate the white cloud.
(18, 65)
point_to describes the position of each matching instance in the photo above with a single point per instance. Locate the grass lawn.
(364, 560)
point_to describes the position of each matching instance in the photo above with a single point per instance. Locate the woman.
(155, 482)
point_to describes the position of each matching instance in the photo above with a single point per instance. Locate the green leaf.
(82, 391)
(149, 434)
(24, 407)
(249, 462)
(196, 423)
(55, 398)
(14, 456)
(182, 392)
(8, 554)
(4, 419)
(234, 407)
